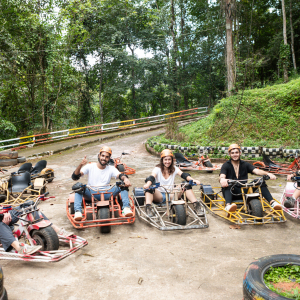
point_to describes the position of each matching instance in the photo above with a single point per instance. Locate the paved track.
(138, 261)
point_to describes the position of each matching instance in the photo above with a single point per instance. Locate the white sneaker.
(64, 233)
(275, 205)
(127, 212)
(78, 216)
(27, 249)
(231, 207)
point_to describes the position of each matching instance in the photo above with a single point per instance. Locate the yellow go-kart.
(252, 207)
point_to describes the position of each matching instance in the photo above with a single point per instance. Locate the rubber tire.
(208, 164)
(8, 162)
(180, 216)
(140, 201)
(253, 283)
(103, 213)
(21, 159)
(9, 154)
(256, 208)
(71, 208)
(47, 237)
(121, 168)
(51, 175)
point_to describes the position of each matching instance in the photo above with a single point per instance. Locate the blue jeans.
(88, 197)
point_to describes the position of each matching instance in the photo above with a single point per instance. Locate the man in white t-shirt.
(99, 176)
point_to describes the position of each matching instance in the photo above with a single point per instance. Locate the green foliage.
(7, 130)
(288, 273)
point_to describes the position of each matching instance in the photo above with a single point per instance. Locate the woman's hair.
(171, 169)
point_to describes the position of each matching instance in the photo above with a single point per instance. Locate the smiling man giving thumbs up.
(99, 176)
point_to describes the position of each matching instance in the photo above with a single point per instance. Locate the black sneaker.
(149, 211)
(198, 209)
(289, 202)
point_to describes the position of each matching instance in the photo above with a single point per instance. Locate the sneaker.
(65, 233)
(289, 202)
(27, 249)
(198, 209)
(149, 211)
(78, 216)
(127, 212)
(275, 205)
(231, 207)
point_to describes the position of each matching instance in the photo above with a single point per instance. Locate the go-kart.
(40, 170)
(203, 163)
(252, 207)
(278, 168)
(99, 213)
(33, 229)
(18, 188)
(288, 192)
(122, 167)
(175, 214)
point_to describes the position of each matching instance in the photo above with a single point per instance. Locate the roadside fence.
(31, 140)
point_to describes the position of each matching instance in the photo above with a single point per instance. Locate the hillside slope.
(267, 117)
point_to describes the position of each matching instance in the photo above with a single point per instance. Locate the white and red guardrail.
(25, 141)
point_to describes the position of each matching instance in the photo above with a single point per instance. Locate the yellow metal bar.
(126, 125)
(78, 128)
(26, 137)
(127, 121)
(78, 133)
(25, 142)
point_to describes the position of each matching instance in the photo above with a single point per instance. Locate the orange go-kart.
(99, 213)
(123, 168)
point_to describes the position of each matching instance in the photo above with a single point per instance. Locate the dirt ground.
(138, 261)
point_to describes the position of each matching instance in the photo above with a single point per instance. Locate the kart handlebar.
(256, 181)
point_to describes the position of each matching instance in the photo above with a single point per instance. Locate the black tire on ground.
(121, 168)
(139, 196)
(71, 208)
(103, 213)
(47, 237)
(253, 284)
(208, 164)
(21, 159)
(49, 177)
(179, 215)
(8, 162)
(256, 208)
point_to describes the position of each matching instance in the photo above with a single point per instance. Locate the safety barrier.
(250, 152)
(27, 141)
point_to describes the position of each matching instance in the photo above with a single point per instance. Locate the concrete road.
(138, 261)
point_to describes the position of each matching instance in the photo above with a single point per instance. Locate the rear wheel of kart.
(47, 238)
(179, 215)
(256, 208)
(8, 162)
(71, 208)
(49, 176)
(103, 213)
(208, 164)
(121, 168)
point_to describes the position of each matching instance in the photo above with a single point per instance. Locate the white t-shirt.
(97, 177)
(167, 183)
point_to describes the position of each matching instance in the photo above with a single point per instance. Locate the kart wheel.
(21, 159)
(49, 177)
(47, 238)
(71, 208)
(179, 215)
(256, 208)
(208, 164)
(121, 168)
(253, 284)
(103, 213)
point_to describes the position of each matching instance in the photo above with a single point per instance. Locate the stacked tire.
(10, 158)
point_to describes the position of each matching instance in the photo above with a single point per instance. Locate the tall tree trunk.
(285, 72)
(292, 38)
(133, 85)
(100, 87)
(174, 58)
(229, 47)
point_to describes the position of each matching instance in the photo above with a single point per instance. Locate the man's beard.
(102, 163)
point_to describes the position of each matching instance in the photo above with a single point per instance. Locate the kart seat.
(20, 182)
(268, 162)
(40, 165)
(25, 168)
(181, 160)
(111, 162)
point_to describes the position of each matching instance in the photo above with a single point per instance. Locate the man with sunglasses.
(237, 169)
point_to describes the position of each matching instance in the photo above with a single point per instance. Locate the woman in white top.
(165, 173)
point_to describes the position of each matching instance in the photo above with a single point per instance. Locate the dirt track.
(138, 261)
